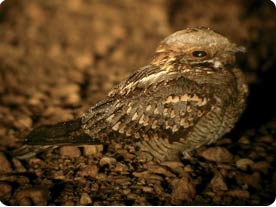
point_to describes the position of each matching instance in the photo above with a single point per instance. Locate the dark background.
(57, 58)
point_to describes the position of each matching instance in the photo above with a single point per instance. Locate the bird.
(189, 95)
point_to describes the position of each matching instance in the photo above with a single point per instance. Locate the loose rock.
(32, 196)
(89, 171)
(85, 199)
(243, 194)
(217, 183)
(244, 163)
(261, 166)
(107, 161)
(5, 191)
(69, 151)
(5, 166)
(92, 149)
(253, 180)
(183, 190)
(217, 154)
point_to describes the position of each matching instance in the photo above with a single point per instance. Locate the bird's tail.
(49, 136)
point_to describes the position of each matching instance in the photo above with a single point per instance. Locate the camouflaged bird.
(191, 94)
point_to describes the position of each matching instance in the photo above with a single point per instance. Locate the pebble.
(85, 199)
(18, 165)
(121, 168)
(107, 161)
(261, 166)
(217, 154)
(253, 180)
(92, 149)
(244, 140)
(5, 166)
(182, 190)
(83, 60)
(244, 163)
(172, 164)
(72, 99)
(65, 90)
(69, 203)
(5, 191)
(89, 171)
(237, 193)
(69, 151)
(147, 189)
(218, 184)
(265, 139)
(157, 169)
(36, 99)
(32, 196)
(23, 121)
(59, 175)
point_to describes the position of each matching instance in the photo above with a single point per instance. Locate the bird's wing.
(157, 103)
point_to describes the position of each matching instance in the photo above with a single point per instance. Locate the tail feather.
(27, 151)
(49, 136)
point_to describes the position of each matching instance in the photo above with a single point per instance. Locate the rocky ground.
(57, 58)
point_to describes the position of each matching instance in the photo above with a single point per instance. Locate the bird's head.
(198, 47)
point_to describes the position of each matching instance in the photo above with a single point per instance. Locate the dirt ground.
(57, 58)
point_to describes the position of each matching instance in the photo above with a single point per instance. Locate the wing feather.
(173, 109)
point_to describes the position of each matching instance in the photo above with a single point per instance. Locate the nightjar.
(189, 95)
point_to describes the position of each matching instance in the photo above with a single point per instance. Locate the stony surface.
(60, 57)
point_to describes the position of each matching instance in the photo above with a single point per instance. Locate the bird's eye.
(199, 53)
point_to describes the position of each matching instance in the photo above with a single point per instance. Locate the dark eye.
(199, 53)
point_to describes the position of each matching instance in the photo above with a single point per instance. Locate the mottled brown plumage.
(191, 94)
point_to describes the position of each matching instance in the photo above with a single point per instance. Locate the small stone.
(147, 189)
(92, 149)
(65, 90)
(101, 176)
(172, 164)
(157, 169)
(253, 180)
(5, 166)
(72, 99)
(244, 163)
(121, 167)
(5, 191)
(36, 99)
(266, 139)
(140, 174)
(107, 161)
(18, 165)
(69, 203)
(59, 175)
(83, 60)
(217, 183)
(85, 199)
(69, 151)
(35, 196)
(183, 190)
(89, 171)
(262, 166)
(244, 140)
(217, 154)
(25, 201)
(24, 122)
(237, 193)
